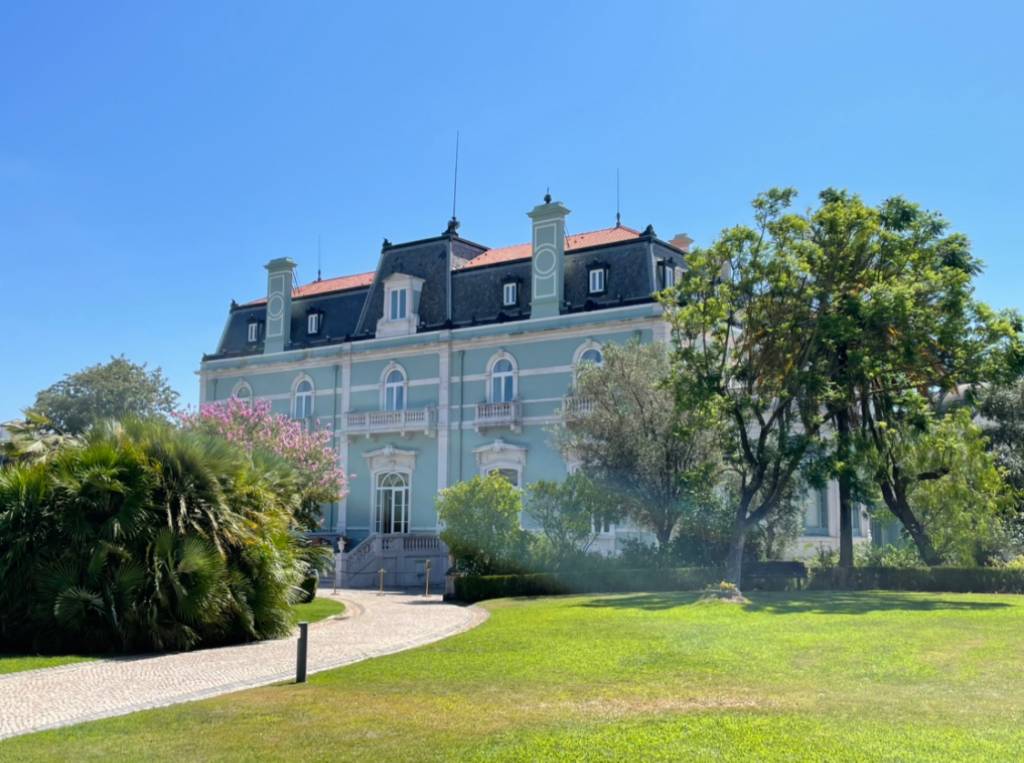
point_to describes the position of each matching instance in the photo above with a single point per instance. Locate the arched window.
(392, 503)
(510, 474)
(394, 390)
(242, 391)
(303, 405)
(587, 355)
(503, 381)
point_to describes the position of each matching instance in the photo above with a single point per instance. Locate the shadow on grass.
(862, 602)
(818, 602)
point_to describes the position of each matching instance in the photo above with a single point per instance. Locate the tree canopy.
(115, 390)
(655, 458)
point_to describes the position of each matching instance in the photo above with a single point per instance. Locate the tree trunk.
(734, 561)
(896, 500)
(845, 490)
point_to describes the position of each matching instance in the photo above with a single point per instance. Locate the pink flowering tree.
(253, 426)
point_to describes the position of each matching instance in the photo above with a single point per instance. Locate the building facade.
(450, 359)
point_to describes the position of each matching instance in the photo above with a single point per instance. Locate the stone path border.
(372, 626)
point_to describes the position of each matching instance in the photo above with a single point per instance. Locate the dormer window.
(398, 304)
(314, 322)
(399, 315)
(670, 275)
(253, 331)
(509, 294)
(598, 280)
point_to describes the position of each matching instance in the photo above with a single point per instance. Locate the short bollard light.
(380, 590)
(426, 583)
(300, 658)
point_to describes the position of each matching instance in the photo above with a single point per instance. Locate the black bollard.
(300, 661)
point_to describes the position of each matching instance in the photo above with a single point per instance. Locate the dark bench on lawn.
(774, 575)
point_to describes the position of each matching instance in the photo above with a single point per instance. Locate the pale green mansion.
(450, 359)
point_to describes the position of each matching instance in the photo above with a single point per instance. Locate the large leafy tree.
(894, 316)
(570, 513)
(747, 354)
(1001, 407)
(656, 459)
(115, 390)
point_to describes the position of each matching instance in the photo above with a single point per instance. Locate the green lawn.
(14, 663)
(318, 609)
(816, 676)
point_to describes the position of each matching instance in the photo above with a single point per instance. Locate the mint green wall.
(540, 394)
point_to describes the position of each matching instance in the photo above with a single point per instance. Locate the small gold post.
(426, 583)
(380, 591)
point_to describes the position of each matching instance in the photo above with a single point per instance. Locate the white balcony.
(575, 407)
(409, 420)
(499, 415)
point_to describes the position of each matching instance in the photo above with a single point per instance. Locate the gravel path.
(372, 626)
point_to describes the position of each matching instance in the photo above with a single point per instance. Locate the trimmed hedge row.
(935, 579)
(473, 588)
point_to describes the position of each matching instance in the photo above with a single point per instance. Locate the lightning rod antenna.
(455, 182)
(618, 217)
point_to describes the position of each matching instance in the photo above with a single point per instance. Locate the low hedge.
(933, 579)
(471, 588)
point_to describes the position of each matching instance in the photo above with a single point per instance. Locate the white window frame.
(379, 490)
(398, 304)
(577, 358)
(242, 387)
(597, 280)
(493, 376)
(253, 332)
(297, 395)
(395, 387)
(670, 275)
(821, 507)
(314, 322)
(508, 469)
(509, 294)
(500, 455)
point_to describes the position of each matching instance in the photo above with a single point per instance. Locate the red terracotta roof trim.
(325, 286)
(579, 241)
(488, 257)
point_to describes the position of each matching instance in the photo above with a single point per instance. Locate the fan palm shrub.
(145, 536)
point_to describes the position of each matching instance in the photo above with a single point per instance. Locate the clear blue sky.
(154, 156)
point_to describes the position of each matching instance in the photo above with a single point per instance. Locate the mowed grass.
(318, 609)
(817, 676)
(13, 663)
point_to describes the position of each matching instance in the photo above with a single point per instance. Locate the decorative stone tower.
(279, 304)
(548, 258)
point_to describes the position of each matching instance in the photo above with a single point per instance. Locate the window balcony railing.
(387, 422)
(499, 414)
(575, 407)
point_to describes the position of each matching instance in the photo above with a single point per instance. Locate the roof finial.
(547, 196)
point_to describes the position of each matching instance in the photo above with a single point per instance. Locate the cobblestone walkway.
(372, 626)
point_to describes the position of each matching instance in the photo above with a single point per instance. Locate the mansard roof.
(324, 286)
(579, 241)
(463, 286)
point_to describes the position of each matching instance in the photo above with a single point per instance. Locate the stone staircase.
(402, 556)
